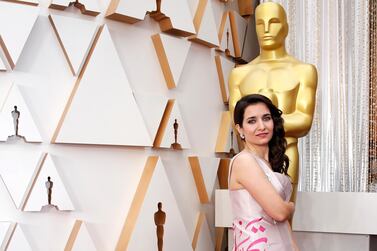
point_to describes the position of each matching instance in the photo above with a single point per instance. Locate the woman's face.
(257, 125)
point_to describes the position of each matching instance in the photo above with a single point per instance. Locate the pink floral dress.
(253, 229)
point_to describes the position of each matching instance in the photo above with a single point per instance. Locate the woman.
(259, 186)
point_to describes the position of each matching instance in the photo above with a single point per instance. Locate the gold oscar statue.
(290, 84)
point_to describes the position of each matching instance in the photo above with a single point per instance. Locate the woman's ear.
(239, 129)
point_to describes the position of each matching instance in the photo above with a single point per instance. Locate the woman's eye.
(267, 118)
(251, 121)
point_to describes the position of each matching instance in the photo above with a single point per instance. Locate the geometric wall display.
(18, 170)
(202, 240)
(225, 35)
(87, 7)
(179, 18)
(38, 194)
(79, 239)
(223, 173)
(129, 11)
(175, 16)
(224, 67)
(224, 141)
(205, 25)
(102, 108)
(172, 53)
(152, 107)
(75, 47)
(26, 125)
(16, 23)
(220, 233)
(239, 26)
(12, 238)
(204, 170)
(154, 187)
(166, 132)
(18, 240)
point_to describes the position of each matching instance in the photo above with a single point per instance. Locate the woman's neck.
(260, 151)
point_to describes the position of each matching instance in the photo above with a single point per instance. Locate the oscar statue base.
(176, 146)
(49, 208)
(16, 139)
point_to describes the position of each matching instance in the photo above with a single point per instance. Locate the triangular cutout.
(224, 66)
(225, 35)
(204, 171)
(152, 107)
(26, 125)
(239, 26)
(202, 240)
(18, 173)
(75, 47)
(226, 137)
(172, 53)
(129, 11)
(18, 241)
(38, 195)
(79, 238)
(154, 187)
(5, 88)
(166, 132)
(205, 25)
(102, 108)
(16, 23)
(87, 7)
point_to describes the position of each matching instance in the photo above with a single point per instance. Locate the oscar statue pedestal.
(49, 208)
(16, 139)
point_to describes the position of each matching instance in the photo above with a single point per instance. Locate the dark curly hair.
(278, 159)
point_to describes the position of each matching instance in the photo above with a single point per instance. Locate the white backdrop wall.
(102, 179)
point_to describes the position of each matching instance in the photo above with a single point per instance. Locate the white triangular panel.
(16, 23)
(176, 50)
(103, 110)
(207, 29)
(17, 169)
(179, 13)
(18, 241)
(209, 168)
(2, 65)
(239, 29)
(38, 196)
(76, 47)
(168, 137)
(90, 5)
(4, 226)
(5, 88)
(135, 8)
(175, 235)
(224, 68)
(152, 108)
(31, 2)
(83, 240)
(224, 39)
(26, 126)
(205, 241)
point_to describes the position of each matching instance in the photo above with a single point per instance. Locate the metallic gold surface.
(290, 84)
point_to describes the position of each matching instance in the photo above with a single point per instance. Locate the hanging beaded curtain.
(334, 36)
(373, 98)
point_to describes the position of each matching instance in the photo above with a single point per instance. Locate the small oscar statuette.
(49, 207)
(16, 137)
(159, 221)
(176, 145)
